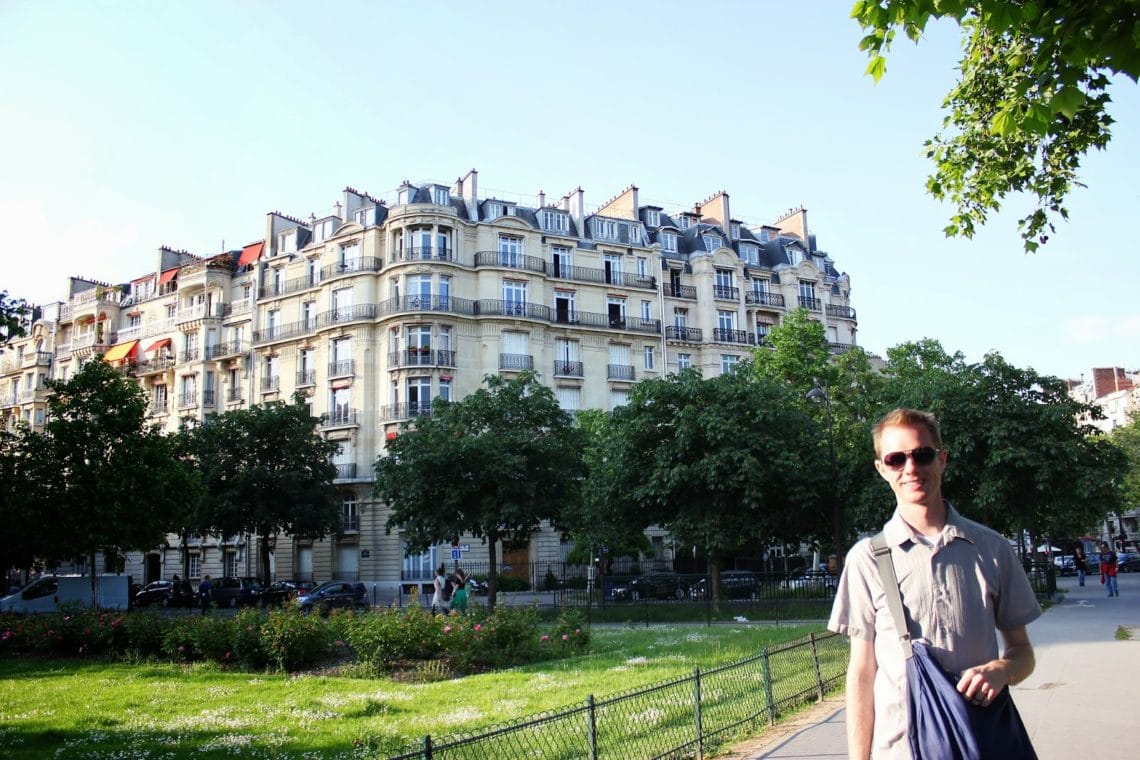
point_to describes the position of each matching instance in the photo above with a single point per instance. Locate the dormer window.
(440, 196)
(735, 230)
(496, 209)
(554, 221)
(605, 229)
(669, 242)
(653, 217)
(287, 242)
(404, 194)
(323, 230)
(365, 217)
(795, 255)
(750, 254)
(712, 242)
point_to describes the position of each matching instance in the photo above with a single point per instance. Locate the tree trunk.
(263, 557)
(492, 575)
(91, 566)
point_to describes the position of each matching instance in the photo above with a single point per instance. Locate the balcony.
(764, 298)
(270, 384)
(515, 362)
(493, 308)
(721, 335)
(187, 400)
(619, 372)
(37, 359)
(681, 291)
(840, 312)
(190, 355)
(609, 321)
(344, 368)
(234, 396)
(209, 398)
(426, 302)
(224, 350)
(340, 417)
(839, 348)
(811, 304)
(285, 287)
(604, 276)
(427, 253)
(154, 366)
(33, 395)
(510, 261)
(283, 332)
(566, 368)
(397, 412)
(421, 357)
(158, 408)
(351, 266)
(11, 399)
(306, 377)
(689, 334)
(199, 311)
(345, 471)
(346, 314)
(726, 293)
(237, 308)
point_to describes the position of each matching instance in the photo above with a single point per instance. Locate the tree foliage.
(492, 466)
(727, 464)
(1031, 99)
(103, 478)
(266, 470)
(13, 312)
(1019, 457)
(1127, 439)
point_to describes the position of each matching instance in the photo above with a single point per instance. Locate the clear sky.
(130, 125)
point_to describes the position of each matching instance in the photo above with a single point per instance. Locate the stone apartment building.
(383, 305)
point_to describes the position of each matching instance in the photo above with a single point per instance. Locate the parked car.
(1064, 564)
(811, 580)
(734, 584)
(236, 592)
(654, 586)
(333, 595)
(279, 592)
(165, 594)
(1128, 562)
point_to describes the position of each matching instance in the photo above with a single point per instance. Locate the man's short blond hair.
(911, 418)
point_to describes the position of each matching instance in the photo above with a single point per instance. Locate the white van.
(48, 593)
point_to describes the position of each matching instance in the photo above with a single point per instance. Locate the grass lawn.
(78, 709)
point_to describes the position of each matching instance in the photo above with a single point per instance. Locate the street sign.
(465, 547)
(457, 554)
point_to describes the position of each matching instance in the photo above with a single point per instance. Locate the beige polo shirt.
(958, 593)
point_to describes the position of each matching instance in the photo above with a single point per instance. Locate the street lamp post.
(818, 395)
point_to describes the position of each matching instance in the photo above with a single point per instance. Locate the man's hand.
(982, 683)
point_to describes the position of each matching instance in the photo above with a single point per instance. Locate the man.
(205, 594)
(1107, 559)
(960, 583)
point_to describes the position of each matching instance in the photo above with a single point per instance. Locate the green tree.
(602, 515)
(1127, 439)
(101, 477)
(1019, 457)
(796, 354)
(1031, 99)
(727, 463)
(266, 470)
(493, 466)
(13, 313)
(21, 524)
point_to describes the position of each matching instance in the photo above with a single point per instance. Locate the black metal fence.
(681, 718)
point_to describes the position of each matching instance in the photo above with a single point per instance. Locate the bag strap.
(890, 581)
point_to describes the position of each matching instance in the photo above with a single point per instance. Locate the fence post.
(592, 727)
(427, 746)
(769, 696)
(815, 665)
(697, 713)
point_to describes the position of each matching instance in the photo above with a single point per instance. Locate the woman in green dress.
(459, 595)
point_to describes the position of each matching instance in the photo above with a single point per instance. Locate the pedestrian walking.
(459, 595)
(959, 584)
(438, 602)
(1081, 564)
(1108, 569)
(205, 594)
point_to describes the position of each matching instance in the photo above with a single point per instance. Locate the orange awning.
(250, 253)
(168, 275)
(162, 343)
(120, 351)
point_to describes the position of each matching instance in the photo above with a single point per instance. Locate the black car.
(1128, 562)
(734, 584)
(653, 586)
(332, 595)
(811, 582)
(165, 594)
(279, 592)
(235, 592)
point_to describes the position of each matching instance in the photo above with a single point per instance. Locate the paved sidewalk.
(1078, 702)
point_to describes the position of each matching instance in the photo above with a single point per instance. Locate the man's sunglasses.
(922, 456)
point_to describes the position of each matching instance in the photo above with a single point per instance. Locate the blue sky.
(130, 125)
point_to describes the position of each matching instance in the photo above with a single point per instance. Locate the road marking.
(1081, 603)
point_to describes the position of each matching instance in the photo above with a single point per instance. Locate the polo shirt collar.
(898, 533)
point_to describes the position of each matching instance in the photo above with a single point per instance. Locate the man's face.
(912, 483)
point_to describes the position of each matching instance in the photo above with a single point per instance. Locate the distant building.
(383, 305)
(1114, 390)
